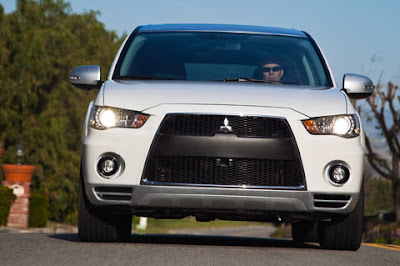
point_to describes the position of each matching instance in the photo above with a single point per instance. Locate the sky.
(356, 36)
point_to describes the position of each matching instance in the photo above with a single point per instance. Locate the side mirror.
(357, 86)
(86, 77)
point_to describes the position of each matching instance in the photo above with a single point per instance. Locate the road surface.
(244, 246)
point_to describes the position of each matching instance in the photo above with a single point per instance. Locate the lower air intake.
(114, 193)
(331, 201)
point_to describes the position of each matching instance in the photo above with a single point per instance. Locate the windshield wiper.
(252, 80)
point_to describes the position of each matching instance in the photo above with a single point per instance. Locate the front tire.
(344, 233)
(97, 225)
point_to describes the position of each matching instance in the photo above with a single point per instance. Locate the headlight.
(346, 126)
(102, 117)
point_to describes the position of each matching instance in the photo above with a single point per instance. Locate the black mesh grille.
(240, 170)
(209, 125)
(222, 171)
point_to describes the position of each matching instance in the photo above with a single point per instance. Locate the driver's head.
(271, 71)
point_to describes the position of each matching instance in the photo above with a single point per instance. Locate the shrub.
(38, 210)
(72, 218)
(7, 197)
(382, 232)
(378, 195)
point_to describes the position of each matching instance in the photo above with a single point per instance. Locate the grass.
(164, 226)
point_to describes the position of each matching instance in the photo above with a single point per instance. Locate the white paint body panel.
(142, 95)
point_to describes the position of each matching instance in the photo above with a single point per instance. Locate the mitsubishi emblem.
(226, 127)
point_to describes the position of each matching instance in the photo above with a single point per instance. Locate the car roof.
(222, 28)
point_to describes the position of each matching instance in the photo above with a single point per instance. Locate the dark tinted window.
(219, 56)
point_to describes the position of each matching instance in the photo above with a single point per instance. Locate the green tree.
(39, 44)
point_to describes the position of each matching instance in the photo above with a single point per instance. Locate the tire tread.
(343, 233)
(95, 225)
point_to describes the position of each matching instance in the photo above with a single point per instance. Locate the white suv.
(222, 122)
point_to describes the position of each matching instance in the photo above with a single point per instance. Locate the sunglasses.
(274, 69)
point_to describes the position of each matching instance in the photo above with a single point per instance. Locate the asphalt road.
(223, 247)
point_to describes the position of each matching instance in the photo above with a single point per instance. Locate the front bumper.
(201, 199)
(133, 145)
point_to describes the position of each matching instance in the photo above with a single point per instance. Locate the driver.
(270, 71)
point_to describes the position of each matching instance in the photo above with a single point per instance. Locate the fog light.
(339, 173)
(109, 165)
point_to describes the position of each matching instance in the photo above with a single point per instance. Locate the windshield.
(221, 56)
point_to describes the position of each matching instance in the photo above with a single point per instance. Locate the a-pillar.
(19, 212)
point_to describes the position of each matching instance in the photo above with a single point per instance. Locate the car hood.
(143, 95)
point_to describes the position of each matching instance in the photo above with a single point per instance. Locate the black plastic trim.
(113, 189)
(331, 197)
(321, 57)
(225, 145)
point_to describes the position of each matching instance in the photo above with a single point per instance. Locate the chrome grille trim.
(227, 186)
(113, 193)
(328, 201)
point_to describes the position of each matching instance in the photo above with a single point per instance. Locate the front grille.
(224, 172)
(209, 125)
(199, 150)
